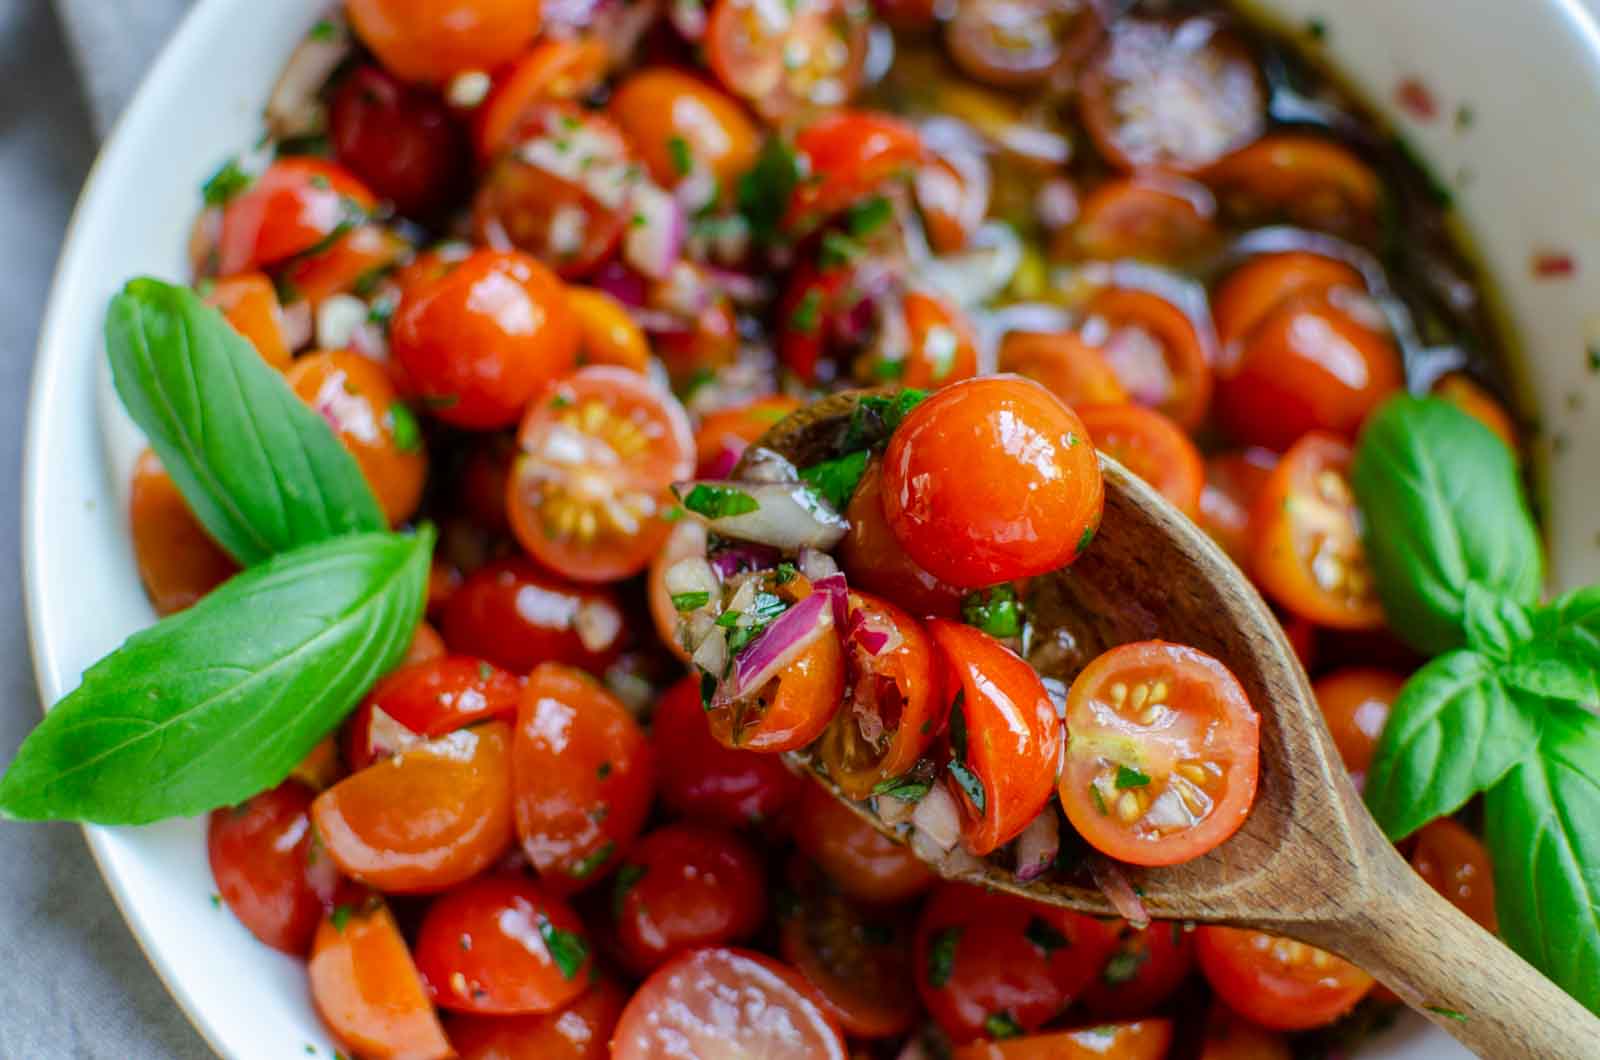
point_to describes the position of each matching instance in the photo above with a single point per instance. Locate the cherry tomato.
(1152, 447)
(677, 122)
(517, 616)
(702, 332)
(178, 561)
(269, 870)
(1309, 180)
(1147, 1039)
(401, 140)
(991, 480)
(1064, 364)
(1155, 350)
(1004, 735)
(952, 188)
(785, 61)
(608, 333)
(1162, 759)
(1145, 970)
(482, 338)
(554, 69)
(682, 887)
(842, 323)
(425, 700)
(1174, 95)
(874, 561)
(1151, 216)
(367, 990)
(989, 965)
(1228, 1037)
(435, 41)
(581, 1031)
(852, 154)
(250, 304)
(1279, 983)
(295, 206)
(940, 346)
(322, 767)
(704, 780)
(1355, 703)
(426, 818)
(1460, 390)
(1233, 481)
(350, 263)
(1455, 863)
(482, 483)
(858, 859)
(1017, 45)
(502, 945)
(1307, 553)
(724, 434)
(1252, 291)
(792, 709)
(583, 775)
(426, 645)
(599, 450)
(354, 394)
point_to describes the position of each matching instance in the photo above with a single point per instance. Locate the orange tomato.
(1277, 982)
(353, 261)
(1151, 446)
(874, 561)
(250, 304)
(666, 113)
(1233, 481)
(295, 206)
(367, 990)
(581, 1031)
(1141, 1040)
(1254, 289)
(788, 61)
(864, 863)
(1455, 863)
(1068, 367)
(728, 431)
(552, 70)
(606, 333)
(1460, 390)
(1155, 350)
(1150, 217)
(1355, 703)
(1307, 179)
(433, 40)
(790, 710)
(178, 561)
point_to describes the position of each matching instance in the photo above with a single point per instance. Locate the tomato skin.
(609, 335)
(428, 699)
(1146, 1039)
(580, 1031)
(1459, 389)
(1276, 982)
(1150, 216)
(553, 69)
(517, 616)
(268, 870)
(942, 348)
(747, 53)
(687, 539)
(1456, 864)
(250, 304)
(1229, 1037)
(358, 255)
(1248, 294)
(703, 780)
(1064, 364)
(1355, 703)
(401, 140)
(854, 153)
(1013, 736)
(727, 432)
(291, 208)
(1309, 179)
(1127, 323)
(367, 989)
(863, 863)
(178, 561)
(1151, 446)
(966, 496)
(793, 708)
(436, 40)
(1145, 970)
(1233, 480)
(657, 104)
(873, 560)
(583, 775)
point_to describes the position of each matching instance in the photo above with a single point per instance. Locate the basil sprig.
(1502, 711)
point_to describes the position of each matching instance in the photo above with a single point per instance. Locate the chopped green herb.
(708, 689)
(786, 573)
(836, 479)
(340, 916)
(1001, 1025)
(1098, 799)
(909, 786)
(441, 401)
(1447, 1013)
(876, 417)
(1044, 935)
(403, 427)
(942, 956)
(1465, 117)
(1128, 777)
(764, 191)
(1317, 29)
(971, 784)
(225, 183)
(591, 864)
(324, 30)
(567, 949)
(1594, 359)
(889, 369)
(1085, 538)
(867, 216)
(603, 770)
(682, 157)
(995, 610)
(958, 726)
(805, 315)
(216, 900)
(718, 502)
(485, 670)
(690, 601)
(1123, 966)
(838, 249)
(627, 876)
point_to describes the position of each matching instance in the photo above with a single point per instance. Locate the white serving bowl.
(1529, 70)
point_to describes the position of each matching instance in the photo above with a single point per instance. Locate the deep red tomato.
(178, 561)
(581, 1031)
(483, 336)
(400, 139)
(1152, 216)
(296, 205)
(437, 40)
(1064, 364)
(1147, 1039)
(724, 434)
(989, 965)
(659, 105)
(553, 69)
(790, 710)
(1277, 982)
(991, 480)
(1461, 391)
(851, 154)
(1151, 446)
(1355, 703)
(425, 819)
(1233, 481)
(874, 561)
(860, 861)
(1230, 1037)
(268, 869)
(517, 616)
(481, 483)
(599, 450)
(1249, 294)
(1307, 553)
(1004, 735)
(1162, 762)
(1155, 349)
(425, 700)
(502, 945)
(583, 774)
(1017, 45)
(682, 887)
(702, 779)
(1455, 863)
(786, 61)
(1309, 180)
(250, 304)
(367, 990)
(1145, 969)
(349, 262)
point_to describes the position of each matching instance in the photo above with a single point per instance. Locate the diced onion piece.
(741, 558)
(295, 107)
(338, 317)
(938, 819)
(894, 811)
(655, 242)
(712, 654)
(297, 324)
(1119, 892)
(692, 575)
(817, 565)
(979, 273)
(468, 89)
(789, 635)
(787, 516)
(838, 593)
(764, 465)
(597, 623)
(1037, 846)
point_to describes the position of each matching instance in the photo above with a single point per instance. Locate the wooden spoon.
(1309, 863)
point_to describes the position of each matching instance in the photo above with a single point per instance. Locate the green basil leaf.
(837, 479)
(1540, 823)
(1454, 730)
(218, 703)
(1553, 670)
(1573, 622)
(1443, 508)
(261, 470)
(1493, 625)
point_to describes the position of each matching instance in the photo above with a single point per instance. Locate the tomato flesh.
(792, 709)
(178, 561)
(515, 615)
(1277, 982)
(295, 206)
(1155, 350)
(1146, 1039)
(784, 61)
(367, 989)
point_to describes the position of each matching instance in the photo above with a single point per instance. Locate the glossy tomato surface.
(580, 1031)
(1151, 446)
(401, 140)
(1156, 350)
(250, 304)
(273, 877)
(873, 560)
(1147, 967)
(293, 207)
(430, 698)
(178, 560)
(436, 40)
(1146, 1039)
(517, 616)
(784, 63)
(659, 105)
(1064, 364)
(858, 860)
(791, 709)
(367, 990)
(1277, 982)
(1456, 864)
(1355, 703)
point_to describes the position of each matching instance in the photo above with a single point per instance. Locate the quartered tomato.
(850, 154)
(724, 434)
(435, 41)
(268, 868)
(552, 70)
(788, 59)
(1233, 481)
(502, 945)
(250, 304)
(518, 616)
(874, 561)
(989, 965)
(678, 123)
(858, 859)
(1277, 982)
(1155, 349)
(1151, 446)
(1147, 1039)
(1064, 364)
(1355, 703)
(580, 1031)
(1307, 553)
(608, 333)
(1461, 391)
(793, 708)
(351, 263)
(1309, 180)
(426, 818)
(583, 776)
(991, 480)
(1017, 45)
(1455, 863)
(1152, 217)
(1005, 738)
(297, 205)
(1162, 754)
(599, 450)
(178, 561)
(1145, 969)
(1230, 1037)
(400, 139)
(684, 1007)
(367, 990)
(1250, 293)
(424, 700)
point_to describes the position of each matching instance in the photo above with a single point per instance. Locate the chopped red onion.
(1037, 846)
(833, 587)
(623, 284)
(790, 634)
(655, 244)
(727, 458)
(741, 558)
(1119, 892)
(816, 565)
(741, 287)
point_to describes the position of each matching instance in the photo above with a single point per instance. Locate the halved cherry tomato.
(677, 122)
(435, 41)
(425, 700)
(989, 965)
(268, 868)
(793, 708)
(554, 69)
(1230, 1037)
(1152, 447)
(861, 862)
(1147, 1039)
(1455, 863)
(952, 190)
(426, 818)
(1004, 736)
(702, 779)
(517, 616)
(1151, 216)
(1162, 758)
(1064, 364)
(1171, 94)
(991, 480)
(1461, 391)
(599, 450)
(1252, 291)
(354, 394)
(583, 775)
(940, 346)
(367, 990)
(483, 336)
(502, 945)
(1233, 481)
(400, 139)
(178, 561)
(850, 154)
(1015, 45)
(250, 304)
(1355, 703)
(581, 1031)
(854, 957)
(322, 767)
(1279, 983)
(874, 561)
(786, 60)
(608, 333)
(682, 887)
(295, 206)
(1307, 554)
(1309, 180)
(683, 1007)
(724, 434)
(1146, 969)
(350, 264)
(1155, 350)
(686, 540)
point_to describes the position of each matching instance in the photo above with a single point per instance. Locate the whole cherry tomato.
(1151, 216)
(724, 434)
(1455, 863)
(367, 990)
(1355, 703)
(517, 616)
(609, 335)
(1151, 446)
(1230, 1037)
(424, 700)
(1147, 967)
(250, 304)
(553, 69)
(874, 561)
(1155, 349)
(178, 561)
(268, 870)
(791, 709)
(851, 155)
(785, 62)
(1308, 180)
(1277, 982)
(1146, 1039)
(1233, 481)
(858, 860)
(1017, 45)
(400, 139)
(295, 206)
(580, 1031)
(678, 123)
(437, 40)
